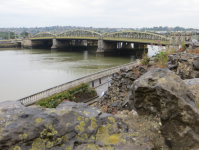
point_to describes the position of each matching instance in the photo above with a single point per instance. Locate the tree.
(24, 34)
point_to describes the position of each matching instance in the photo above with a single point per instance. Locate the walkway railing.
(63, 87)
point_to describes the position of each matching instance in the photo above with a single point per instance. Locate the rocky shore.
(145, 108)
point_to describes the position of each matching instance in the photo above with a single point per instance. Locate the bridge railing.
(63, 87)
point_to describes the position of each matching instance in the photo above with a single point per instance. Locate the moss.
(111, 119)
(38, 120)
(68, 148)
(17, 148)
(93, 124)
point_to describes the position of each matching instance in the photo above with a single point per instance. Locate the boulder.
(192, 44)
(163, 93)
(193, 85)
(117, 96)
(185, 65)
(71, 126)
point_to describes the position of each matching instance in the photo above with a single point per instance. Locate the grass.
(69, 95)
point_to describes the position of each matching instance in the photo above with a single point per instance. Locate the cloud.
(99, 13)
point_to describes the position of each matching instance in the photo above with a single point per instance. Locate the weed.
(55, 100)
(145, 59)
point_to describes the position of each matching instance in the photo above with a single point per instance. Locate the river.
(24, 72)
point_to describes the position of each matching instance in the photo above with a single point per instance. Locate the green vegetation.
(7, 34)
(145, 59)
(162, 54)
(24, 34)
(69, 95)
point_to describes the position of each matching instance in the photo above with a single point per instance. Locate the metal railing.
(28, 100)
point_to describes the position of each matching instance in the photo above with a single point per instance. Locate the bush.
(55, 100)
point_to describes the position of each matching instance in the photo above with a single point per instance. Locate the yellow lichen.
(82, 124)
(38, 144)
(93, 146)
(23, 136)
(17, 148)
(52, 111)
(7, 123)
(86, 119)
(93, 124)
(114, 139)
(86, 112)
(65, 138)
(15, 117)
(82, 137)
(69, 148)
(80, 118)
(2, 118)
(197, 105)
(68, 124)
(104, 136)
(49, 144)
(38, 120)
(77, 127)
(111, 119)
(50, 131)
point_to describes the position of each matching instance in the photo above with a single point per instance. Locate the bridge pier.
(26, 43)
(57, 44)
(106, 46)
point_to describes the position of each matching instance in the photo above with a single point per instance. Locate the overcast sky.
(99, 13)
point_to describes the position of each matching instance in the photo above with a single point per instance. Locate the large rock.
(118, 94)
(185, 65)
(71, 126)
(166, 95)
(193, 44)
(193, 85)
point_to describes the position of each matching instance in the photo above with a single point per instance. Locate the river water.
(24, 72)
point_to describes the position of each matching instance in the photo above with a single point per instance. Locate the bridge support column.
(56, 44)
(106, 46)
(27, 43)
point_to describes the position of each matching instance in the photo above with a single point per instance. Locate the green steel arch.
(79, 33)
(43, 35)
(136, 35)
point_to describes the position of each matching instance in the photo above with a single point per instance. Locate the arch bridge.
(105, 41)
